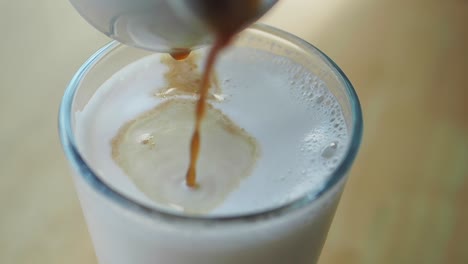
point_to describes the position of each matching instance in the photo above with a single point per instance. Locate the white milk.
(300, 137)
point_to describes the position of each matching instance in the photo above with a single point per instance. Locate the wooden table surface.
(407, 197)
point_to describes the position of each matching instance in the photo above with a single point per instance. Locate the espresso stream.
(191, 177)
(226, 18)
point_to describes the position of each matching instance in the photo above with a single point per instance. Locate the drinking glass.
(125, 230)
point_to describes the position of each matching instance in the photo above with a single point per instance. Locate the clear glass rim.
(78, 163)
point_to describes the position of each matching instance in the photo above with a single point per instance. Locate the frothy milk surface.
(272, 133)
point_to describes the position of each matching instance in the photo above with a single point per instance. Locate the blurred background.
(407, 197)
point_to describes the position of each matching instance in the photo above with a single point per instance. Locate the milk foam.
(297, 122)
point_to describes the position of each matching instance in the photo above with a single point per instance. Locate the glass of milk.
(294, 103)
